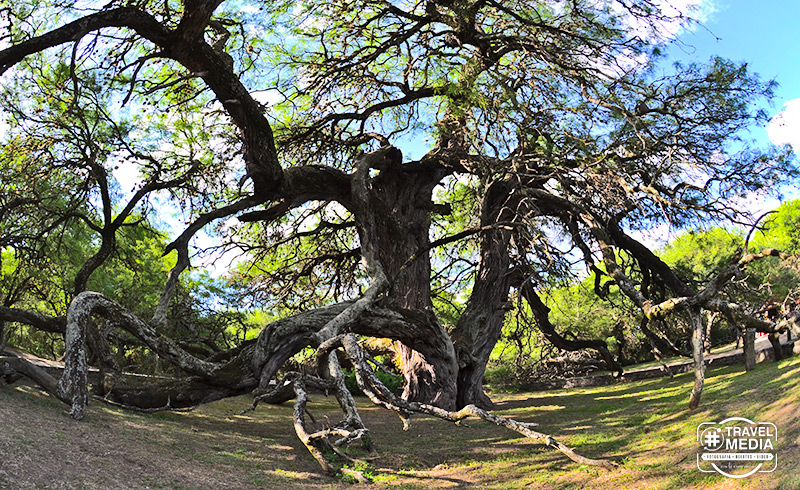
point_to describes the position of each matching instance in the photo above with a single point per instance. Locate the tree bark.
(749, 348)
(695, 315)
(711, 316)
(398, 226)
(480, 325)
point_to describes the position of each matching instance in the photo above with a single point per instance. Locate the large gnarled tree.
(407, 145)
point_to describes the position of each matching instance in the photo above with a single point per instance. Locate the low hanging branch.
(380, 395)
(74, 385)
(541, 314)
(348, 432)
(610, 238)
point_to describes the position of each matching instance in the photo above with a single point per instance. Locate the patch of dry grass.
(644, 425)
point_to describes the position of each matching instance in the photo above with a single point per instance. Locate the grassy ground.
(643, 425)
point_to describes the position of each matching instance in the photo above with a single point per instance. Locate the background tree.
(696, 256)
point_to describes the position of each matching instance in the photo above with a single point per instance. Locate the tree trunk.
(711, 316)
(400, 203)
(749, 348)
(480, 329)
(695, 315)
(777, 349)
(3, 339)
(480, 325)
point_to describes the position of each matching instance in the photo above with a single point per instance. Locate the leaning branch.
(379, 394)
(53, 324)
(13, 366)
(143, 23)
(73, 384)
(541, 314)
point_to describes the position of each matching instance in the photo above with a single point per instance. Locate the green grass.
(645, 426)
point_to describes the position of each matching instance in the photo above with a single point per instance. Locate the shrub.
(392, 382)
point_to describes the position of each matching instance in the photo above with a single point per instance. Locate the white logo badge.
(737, 447)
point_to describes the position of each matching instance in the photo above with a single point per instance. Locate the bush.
(392, 382)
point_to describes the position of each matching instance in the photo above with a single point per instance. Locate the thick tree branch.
(146, 25)
(53, 324)
(74, 381)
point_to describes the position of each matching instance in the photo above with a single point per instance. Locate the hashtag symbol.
(712, 438)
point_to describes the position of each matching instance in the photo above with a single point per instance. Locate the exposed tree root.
(318, 442)
(351, 429)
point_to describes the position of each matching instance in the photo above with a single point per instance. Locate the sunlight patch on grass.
(791, 373)
(653, 395)
(548, 408)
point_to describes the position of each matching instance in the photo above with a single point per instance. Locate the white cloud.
(678, 17)
(700, 10)
(784, 128)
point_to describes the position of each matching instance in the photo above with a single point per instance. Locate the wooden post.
(749, 348)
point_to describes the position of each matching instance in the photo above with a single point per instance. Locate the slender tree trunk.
(777, 349)
(480, 325)
(695, 315)
(749, 348)
(711, 316)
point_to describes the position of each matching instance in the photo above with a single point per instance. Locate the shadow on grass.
(644, 425)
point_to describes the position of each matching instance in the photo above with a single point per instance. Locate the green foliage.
(696, 255)
(393, 382)
(314, 260)
(579, 310)
(780, 230)
(504, 376)
(366, 469)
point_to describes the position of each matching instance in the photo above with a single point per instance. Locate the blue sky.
(766, 35)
